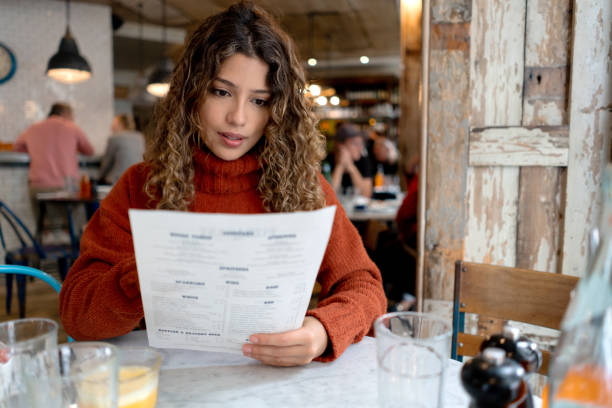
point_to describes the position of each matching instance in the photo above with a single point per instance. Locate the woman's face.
(235, 109)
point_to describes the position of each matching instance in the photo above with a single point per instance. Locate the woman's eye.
(220, 92)
(260, 102)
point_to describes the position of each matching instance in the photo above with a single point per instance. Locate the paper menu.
(209, 281)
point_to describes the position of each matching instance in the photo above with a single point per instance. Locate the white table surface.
(191, 379)
(380, 210)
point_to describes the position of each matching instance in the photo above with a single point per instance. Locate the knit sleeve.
(351, 296)
(100, 297)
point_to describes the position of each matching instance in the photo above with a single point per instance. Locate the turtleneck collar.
(214, 175)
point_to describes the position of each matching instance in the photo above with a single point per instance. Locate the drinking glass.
(29, 372)
(138, 377)
(89, 374)
(412, 353)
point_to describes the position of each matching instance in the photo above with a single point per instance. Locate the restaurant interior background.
(513, 138)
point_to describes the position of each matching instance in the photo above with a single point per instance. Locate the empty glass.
(29, 371)
(89, 374)
(412, 352)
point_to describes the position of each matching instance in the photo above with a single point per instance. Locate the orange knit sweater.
(101, 297)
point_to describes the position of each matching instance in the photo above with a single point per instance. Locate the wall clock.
(8, 63)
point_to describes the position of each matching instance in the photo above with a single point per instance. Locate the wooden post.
(590, 122)
(447, 138)
(540, 211)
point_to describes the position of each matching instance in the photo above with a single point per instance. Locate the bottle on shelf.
(85, 187)
(327, 170)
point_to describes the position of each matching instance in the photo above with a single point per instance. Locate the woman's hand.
(291, 348)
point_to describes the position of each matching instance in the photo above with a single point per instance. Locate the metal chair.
(501, 292)
(36, 273)
(29, 253)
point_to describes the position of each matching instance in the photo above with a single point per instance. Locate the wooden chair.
(523, 295)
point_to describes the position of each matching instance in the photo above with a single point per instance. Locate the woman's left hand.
(291, 348)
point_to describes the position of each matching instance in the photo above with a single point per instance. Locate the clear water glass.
(29, 370)
(412, 354)
(90, 373)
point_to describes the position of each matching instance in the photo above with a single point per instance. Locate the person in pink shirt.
(53, 145)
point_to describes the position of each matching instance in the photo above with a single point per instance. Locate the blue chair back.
(36, 273)
(29, 252)
(23, 234)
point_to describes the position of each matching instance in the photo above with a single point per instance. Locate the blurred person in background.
(350, 164)
(53, 145)
(395, 252)
(124, 148)
(383, 155)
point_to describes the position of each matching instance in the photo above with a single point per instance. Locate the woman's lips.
(232, 139)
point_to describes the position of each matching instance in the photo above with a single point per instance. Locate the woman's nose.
(237, 114)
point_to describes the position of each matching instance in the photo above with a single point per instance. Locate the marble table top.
(191, 379)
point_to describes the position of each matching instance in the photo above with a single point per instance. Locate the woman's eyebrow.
(232, 85)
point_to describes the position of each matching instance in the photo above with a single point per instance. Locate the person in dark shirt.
(383, 153)
(351, 167)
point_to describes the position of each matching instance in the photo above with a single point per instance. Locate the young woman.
(236, 135)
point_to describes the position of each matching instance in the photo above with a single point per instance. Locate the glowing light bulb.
(321, 100)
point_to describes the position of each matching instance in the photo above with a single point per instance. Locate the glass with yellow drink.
(138, 377)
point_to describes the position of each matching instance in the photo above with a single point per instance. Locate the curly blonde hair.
(290, 151)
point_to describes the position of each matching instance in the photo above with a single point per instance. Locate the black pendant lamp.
(67, 65)
(159, 80)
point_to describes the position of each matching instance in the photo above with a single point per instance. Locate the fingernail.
(247, 350)
(254, 339)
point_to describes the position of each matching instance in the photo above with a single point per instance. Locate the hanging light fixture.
(67, 65)
(159, 81)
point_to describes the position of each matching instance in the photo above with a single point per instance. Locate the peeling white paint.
(496, 62)
(543, 113)
(518, 146)
(496, 80)
(590, 121)
(492, 213)
(543, 261)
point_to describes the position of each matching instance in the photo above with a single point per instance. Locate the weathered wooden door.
(520, 99)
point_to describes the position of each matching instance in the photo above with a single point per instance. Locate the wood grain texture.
(540, 212)
(492, 194)
(450, 36)
(496, 79)
(548, 32)
(446, 167)
(492, 291)
(590, 124)
(451, 11)
(539, 218)
(519, 146)
(496, 62)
